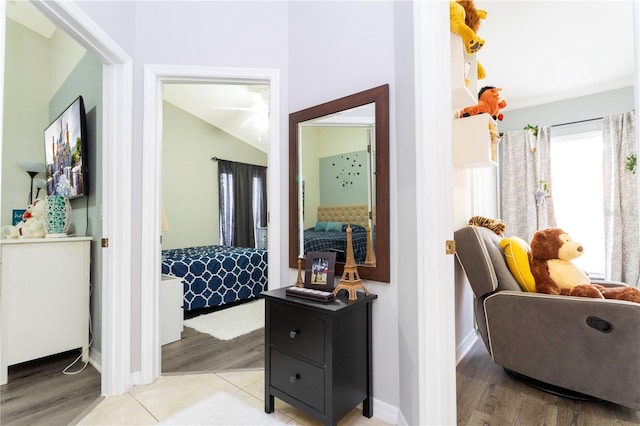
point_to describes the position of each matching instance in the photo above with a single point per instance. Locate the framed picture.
(17, 217)
(319, 270)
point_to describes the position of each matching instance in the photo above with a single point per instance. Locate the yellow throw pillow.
(517, 253)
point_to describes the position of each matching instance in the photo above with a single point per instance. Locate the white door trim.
(154, 77)
(116, 150)
(434, 187)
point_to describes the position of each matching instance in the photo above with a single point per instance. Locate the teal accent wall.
(343, 179)
(86, 80)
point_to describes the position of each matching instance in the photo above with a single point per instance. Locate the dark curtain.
(243, 202)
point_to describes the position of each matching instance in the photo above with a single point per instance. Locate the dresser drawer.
(294, 330)
(301, 380)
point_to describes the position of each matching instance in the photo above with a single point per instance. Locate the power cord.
(66, 370)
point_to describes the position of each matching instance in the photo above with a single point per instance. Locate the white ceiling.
(537, 51)
(544, 51)
(238, 109)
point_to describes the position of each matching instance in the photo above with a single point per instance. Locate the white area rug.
(231, 322)
(221, 409)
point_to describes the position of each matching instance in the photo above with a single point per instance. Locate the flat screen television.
(65, 142)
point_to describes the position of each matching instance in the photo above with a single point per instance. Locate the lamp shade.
(164, 225)
(31, 166)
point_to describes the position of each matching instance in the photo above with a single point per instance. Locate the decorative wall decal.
(343, 178)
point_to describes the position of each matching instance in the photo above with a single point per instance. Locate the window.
(243, 202)
(576, 173)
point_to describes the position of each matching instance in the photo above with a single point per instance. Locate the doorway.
(114, 359)
(208, 128)
(155, 76)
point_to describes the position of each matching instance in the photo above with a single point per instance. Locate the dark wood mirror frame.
(380, 96)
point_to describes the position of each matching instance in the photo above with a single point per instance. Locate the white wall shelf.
(472, 145)
(464, 68)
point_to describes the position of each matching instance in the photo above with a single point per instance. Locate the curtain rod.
(239, 162)
(576, 122)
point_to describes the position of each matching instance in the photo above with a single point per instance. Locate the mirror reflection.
(339, 179)
(338, 183)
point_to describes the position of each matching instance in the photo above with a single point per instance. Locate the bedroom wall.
(42, 77)
(86, 80)
(320, 185)
(190, 177)
(26, 114)
(570, 110)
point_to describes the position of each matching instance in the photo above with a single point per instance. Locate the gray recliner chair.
(572, 346)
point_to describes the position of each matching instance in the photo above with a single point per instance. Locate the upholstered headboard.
(355, 214)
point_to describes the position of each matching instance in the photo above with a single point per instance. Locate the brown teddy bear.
(552, 251)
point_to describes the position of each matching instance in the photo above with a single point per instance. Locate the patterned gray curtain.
(620, 187)
(526, 182)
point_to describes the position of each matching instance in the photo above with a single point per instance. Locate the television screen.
(65, 156)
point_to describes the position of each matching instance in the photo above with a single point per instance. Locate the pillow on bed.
(335, 226)
(321, 226)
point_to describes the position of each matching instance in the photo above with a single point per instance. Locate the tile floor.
(150, 404)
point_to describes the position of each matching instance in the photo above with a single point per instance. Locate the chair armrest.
(583, 344)
(606, 283)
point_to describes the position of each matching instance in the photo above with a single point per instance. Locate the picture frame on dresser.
(320, 269)
(17, 216)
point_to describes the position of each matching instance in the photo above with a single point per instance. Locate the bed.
(329, 233)
(216, 275)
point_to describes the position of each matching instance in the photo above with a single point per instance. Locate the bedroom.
(194, 150)
(548, 97)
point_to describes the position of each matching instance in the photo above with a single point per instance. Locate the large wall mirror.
(339, 176)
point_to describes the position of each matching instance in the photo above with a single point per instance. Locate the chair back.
(479, 253)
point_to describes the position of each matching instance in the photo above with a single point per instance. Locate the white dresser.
(44, 298)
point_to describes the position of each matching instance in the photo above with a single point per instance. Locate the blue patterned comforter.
(216, 275)
(327, 241)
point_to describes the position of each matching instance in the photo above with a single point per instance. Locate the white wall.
(336, 49)
(224, 34)
(190, 177)
(324, 50)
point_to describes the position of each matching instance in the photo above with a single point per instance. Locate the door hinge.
(105, 242)
(450, 247)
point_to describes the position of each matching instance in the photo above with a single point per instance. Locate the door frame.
(117, 107)
(154, 77)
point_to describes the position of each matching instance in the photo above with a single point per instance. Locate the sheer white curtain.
(620, 188)
(526, 182)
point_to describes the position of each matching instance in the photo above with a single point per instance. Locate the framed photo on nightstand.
(319, 270)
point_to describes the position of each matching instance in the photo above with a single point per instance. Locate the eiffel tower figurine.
(350, 280)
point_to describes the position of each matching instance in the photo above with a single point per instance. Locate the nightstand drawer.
(294, 330)
(299, 379)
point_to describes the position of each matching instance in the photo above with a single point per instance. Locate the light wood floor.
(39, 394)
(487, 395)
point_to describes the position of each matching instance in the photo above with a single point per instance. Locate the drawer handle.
(293, 333)
(293, 379)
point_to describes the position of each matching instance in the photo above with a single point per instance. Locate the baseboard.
(465, 346)
(95, 359)
(401, 420)
(386, 412)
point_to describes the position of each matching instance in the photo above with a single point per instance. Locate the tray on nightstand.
(308, 293)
